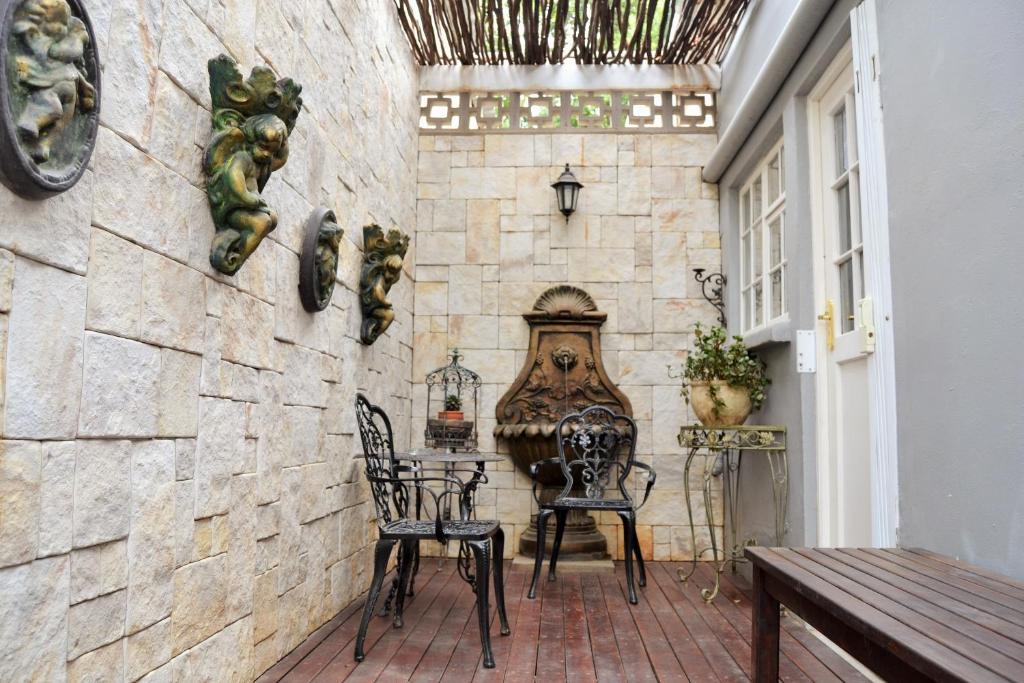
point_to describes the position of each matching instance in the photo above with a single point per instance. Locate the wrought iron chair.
(597, 452)
(390, 485)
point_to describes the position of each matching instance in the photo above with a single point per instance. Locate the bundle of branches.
(584, 31)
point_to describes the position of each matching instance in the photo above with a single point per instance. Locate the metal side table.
(724, 448)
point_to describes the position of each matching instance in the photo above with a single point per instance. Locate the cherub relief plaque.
(49, 95)
(252, 119)
(382, 267)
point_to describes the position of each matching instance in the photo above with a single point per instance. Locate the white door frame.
(877, 275)
(830, 508)
(863, 52)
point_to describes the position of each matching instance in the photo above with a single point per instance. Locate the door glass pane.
(771, 189)
(776, 285)
(758, 304)
(775, 242)
(756, 253)
(843, 206)
(839, 122)
(846, 296)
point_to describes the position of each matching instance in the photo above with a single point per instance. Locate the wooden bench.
(908, 615)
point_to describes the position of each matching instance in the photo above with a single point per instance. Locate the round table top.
(432, 455)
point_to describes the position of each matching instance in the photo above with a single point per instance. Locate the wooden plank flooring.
(580, 628)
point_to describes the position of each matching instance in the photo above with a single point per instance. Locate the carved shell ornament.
(565, 300)
(49, 95)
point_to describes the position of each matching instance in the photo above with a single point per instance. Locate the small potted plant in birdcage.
(452, 409)
(723, 382)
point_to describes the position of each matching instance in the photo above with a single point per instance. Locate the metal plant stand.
(724, 448)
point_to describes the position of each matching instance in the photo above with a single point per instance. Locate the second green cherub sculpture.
(252, 119)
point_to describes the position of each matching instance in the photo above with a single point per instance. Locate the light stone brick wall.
(490, 240)
(177, 495)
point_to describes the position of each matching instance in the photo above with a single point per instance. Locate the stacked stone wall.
(177, 495)
(491, 240)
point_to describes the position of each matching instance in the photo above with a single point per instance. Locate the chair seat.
(456, 529)
(589, 504)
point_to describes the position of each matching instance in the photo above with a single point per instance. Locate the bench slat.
(965, 609)
(941, 574)
(886, 562)
(925, 654)
(981, 645)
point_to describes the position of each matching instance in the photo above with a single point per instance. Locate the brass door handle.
(827, 317)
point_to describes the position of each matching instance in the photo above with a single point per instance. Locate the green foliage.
(712, 359)
(453, 403)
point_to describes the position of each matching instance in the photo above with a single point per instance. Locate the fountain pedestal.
(563, 374)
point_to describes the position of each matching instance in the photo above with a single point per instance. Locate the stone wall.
(490, 240)
(177, 497)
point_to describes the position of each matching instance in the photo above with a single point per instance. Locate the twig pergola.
(583, 31)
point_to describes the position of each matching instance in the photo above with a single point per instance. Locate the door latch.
(827, 317)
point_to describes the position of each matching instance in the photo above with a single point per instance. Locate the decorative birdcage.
(453, 399)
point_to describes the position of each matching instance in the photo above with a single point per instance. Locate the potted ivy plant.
(723, 381)
(452, 409)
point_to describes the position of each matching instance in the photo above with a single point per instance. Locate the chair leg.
(560, 516)
(415, 571)
(499, 579)
(639, 560)
(380, 565)
(482, 552)
(629, 531)
(542, 532)
(404, 576)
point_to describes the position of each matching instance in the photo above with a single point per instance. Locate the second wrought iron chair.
(391, 485)
(597, 452)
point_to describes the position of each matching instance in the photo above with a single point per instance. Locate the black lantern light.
(567, 191)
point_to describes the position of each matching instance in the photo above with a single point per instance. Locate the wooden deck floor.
(580, 628)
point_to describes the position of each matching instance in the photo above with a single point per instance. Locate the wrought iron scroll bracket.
(711, 287)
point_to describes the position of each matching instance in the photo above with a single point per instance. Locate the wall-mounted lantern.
(567, 191)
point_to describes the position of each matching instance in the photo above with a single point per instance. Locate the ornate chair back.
(596, 449)
(390, 497)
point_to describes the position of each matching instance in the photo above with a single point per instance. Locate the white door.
(844, 327)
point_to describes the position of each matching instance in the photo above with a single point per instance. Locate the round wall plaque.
(318, 265)
(49, 95)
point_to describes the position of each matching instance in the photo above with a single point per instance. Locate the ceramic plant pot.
(451, 415)
(736, 399)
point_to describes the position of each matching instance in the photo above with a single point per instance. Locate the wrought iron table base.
(725, 448)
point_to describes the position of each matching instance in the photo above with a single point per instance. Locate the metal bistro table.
(724, 448)
(451, 462)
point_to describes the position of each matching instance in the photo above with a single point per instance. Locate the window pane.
(846, 296)
(746, 309)
(853, 129)
(771, 189)
(758, 305)
(843, 205)
(775, 242)
(757, 254)
(776, 285)
(839, 121)
(745, 256)
(782, 170)
(756, 208)
(744, 211)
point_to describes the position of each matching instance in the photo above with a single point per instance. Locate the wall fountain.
(563, 374)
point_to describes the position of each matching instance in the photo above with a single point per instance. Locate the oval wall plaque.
(318, 264)
(49, 95)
